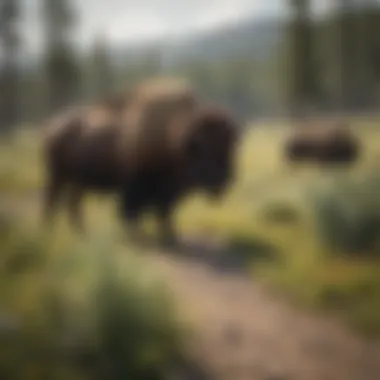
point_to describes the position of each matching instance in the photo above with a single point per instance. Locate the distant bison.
(151, 148)
(331, 143)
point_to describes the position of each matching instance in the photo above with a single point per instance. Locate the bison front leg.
(130, 211)
(53, 193)
(75, 209)
(167, 232)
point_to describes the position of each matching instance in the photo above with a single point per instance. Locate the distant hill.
(252, 39)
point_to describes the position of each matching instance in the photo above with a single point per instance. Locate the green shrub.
(357, 298)
(348, 216)
(280, 212)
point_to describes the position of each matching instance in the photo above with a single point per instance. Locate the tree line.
(328, 64)
(334, 62)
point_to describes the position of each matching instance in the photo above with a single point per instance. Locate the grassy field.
(312, 233)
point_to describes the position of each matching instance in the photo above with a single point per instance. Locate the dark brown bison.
(331, 143)
(161, 144)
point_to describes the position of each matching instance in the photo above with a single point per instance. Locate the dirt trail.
(247, 333)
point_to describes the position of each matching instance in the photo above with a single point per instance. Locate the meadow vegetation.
(83, 310)
(312, 233)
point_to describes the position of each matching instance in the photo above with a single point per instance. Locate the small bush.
(81, 312)
(357, 295)
(280, 212)
(254, 250)
(348, 216)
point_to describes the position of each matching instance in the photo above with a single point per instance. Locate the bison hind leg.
(168, 236)
(53, 194)
(130, 211)
(75, 210)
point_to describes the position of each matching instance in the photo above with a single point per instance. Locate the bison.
(331, 143)
(156, 146)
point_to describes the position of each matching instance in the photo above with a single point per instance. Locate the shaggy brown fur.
(158, 147)
(331, 143)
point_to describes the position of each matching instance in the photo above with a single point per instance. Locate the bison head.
(209, 150)
(297, 149)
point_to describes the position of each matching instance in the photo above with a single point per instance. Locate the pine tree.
(370, 48)
(347, 54)
(101, 78)
(303, 85)
(61, 68)
(9, 74)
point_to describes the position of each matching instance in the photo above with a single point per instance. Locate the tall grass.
(72, 310)
(348, 215)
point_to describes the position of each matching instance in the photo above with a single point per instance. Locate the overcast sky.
(134, 20)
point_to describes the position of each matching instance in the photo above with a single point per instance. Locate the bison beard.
(160, 149)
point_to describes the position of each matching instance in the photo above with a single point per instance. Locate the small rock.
(233, 335)
(275, 373)
(276, 377)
